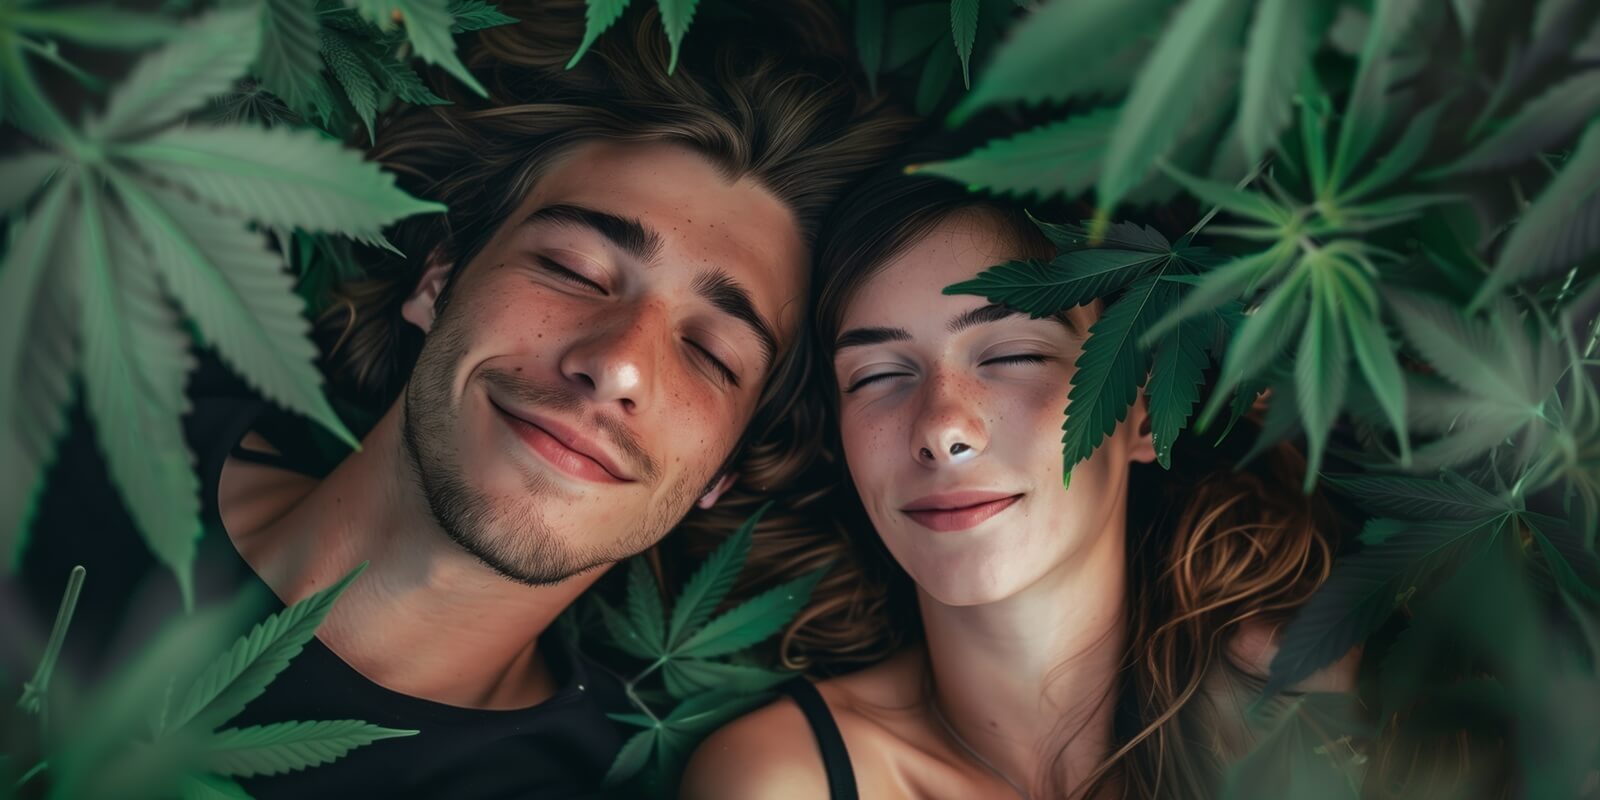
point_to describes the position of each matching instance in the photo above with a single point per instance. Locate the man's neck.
(425, 618)
(1020, 678)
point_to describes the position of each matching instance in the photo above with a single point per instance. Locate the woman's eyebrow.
(994, 312)
(860, 337)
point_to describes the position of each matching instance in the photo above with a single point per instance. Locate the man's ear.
(711, 496)
(424, 300)
(1143, 446)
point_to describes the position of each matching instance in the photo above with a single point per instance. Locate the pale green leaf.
(675, 18)
(601, 14)
(1467, 12)
(1175, 380)
(242, 673)
(752, 621)
(645, 614)
(24, 175)
(475, 15)
(1397, 163)
(38, 355)
(1161, 99)
(1231, 198)
(1542, 123)
(1321, 368)
(239, 295)
(290, 746)
(1060, 50)
(200, 63)
(289, 64)
(964, 29)
(1420, 499)
(99, 26)
(1562, 227)
(351, 72)
(1072, 279)
(280, 177)
(210, 787)
(1113, 365)
(1061, 157)
(1259, 340)
(428, 25)
(1230, 281)
(710, 583)
(1375, 356)
(135, 362)
(1280, 45)
(1466, 352)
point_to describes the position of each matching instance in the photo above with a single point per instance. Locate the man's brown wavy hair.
(776, 100)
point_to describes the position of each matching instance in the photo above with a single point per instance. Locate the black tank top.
(835, 758)
(559, 748)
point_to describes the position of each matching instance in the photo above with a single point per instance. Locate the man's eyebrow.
(628, 234)
(861, 337)
(994, 312)
(726, 295)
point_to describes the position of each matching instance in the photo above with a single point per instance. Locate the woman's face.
(951, 411)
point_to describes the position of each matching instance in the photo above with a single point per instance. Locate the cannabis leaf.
(1562, 227)
(428, 26)
(1304, 749)
(964, 27)
(290, 746)
(1058, 158)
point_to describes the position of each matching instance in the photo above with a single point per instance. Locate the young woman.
(1095, 641)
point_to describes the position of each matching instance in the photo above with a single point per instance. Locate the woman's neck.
(1019, 678)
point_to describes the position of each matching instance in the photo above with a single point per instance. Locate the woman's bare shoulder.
(772, 753)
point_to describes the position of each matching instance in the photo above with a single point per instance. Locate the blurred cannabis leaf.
(156, 725)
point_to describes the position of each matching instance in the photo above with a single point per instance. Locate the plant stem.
(28, 776)
(33, 692)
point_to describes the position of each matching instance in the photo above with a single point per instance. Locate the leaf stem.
(33, 692)
(32, 771)
(49, 52)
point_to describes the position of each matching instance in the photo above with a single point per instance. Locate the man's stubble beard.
(516, 542)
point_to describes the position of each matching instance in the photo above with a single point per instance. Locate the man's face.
(594, 365)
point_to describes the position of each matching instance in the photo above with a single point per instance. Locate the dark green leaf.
(1072, 279)
(1362, 591)
(1467, 12)
(935, 81)
(632, 757)
(405, 83)
(711, 582)
(913, 31)
(427, 24)
(1366, 112)
(290, 64)
(242, 673)
(475, 15)
(1060, 51)
(350, 70)
(675, 17)
(1175, 380)
(624, 635)
(1230, 198)
(23, 176)
(99, 26)
(870, 16)
(200, 63)
(290, 746)
(645, 614)
(601, 14)
(1161, 99)
(1395, 164)
(1221, 285)
(1562, 227)
(1375, 356)
(1121, 235)
(1112, 366)
(752, 621)
(211, 787)
(964, 28)
(1303, 750)
(690, 677)
(1258, 340)
(1544, 122)
(1061, 157)
(1572, 561)
(1420, 499)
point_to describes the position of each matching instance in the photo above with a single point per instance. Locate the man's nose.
(950, 428)
(616, 363)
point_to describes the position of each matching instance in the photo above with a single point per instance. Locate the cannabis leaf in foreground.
(139, 219)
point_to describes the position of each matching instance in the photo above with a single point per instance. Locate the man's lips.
(564, 447)
(958, 511)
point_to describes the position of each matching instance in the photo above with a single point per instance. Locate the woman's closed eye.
(562, 273)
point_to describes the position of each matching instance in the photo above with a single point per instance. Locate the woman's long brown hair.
(1213, 543)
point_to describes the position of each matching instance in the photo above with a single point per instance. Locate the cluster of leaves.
(129, 223)
(156, 725)
(702, 680)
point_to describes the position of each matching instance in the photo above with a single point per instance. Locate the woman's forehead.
(913, 280)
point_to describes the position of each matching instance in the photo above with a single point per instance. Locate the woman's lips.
(957, 515)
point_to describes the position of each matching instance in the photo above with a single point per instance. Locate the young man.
(568, 365)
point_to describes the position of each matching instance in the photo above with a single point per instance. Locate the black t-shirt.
(558, 748)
